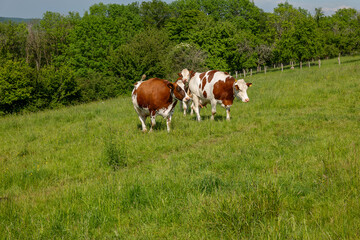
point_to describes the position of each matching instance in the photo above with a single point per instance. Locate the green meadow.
(286, 166)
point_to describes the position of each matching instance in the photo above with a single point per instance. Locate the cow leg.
(228, 113)
(143, 120)
(196, 107)
(185, 106)
(168, 121)
(192, 108)
(153, 122)
(213, 109)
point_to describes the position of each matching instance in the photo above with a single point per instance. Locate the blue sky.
(36, 8)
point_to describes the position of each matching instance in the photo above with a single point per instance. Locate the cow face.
(184, 76)
(178, 90)
(240, 88)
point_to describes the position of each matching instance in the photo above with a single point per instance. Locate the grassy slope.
(286, 166)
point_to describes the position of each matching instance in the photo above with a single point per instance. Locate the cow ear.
(170, 85)
(179, 74)
(249, 84)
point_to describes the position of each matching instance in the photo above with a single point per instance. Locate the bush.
(16, 86)
(57, 87)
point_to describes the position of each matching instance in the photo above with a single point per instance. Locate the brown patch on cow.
(202, 75)
(205, 94)
(178, 91)
(192, 73)
(211, 75)
(203, 83)
(154, 94)
(223, 90)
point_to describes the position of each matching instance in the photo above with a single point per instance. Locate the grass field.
(286, 166)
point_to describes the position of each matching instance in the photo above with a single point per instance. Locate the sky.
(36, 8)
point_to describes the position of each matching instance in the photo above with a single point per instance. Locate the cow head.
(240, 88)
(184, 76)
(178, 90)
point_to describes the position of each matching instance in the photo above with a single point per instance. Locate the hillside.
(19, 20)
(285, 167)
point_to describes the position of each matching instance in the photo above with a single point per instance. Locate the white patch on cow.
(240, 90)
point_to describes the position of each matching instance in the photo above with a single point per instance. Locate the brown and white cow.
(216, 87)
(157, 97)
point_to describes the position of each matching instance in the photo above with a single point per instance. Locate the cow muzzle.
(186, 99)
(247, 100)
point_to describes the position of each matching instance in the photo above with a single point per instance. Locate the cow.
(216, 87)
(157, 97)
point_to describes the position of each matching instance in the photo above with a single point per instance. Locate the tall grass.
(285, 167)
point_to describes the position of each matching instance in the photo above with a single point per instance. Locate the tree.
(100, 32)
(12, 41)
(155, 13)
(185, 55)
(16, 86)
(181, 27)
(130, 61)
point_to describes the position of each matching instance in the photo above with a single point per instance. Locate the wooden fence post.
(236, 74)
(282, 67)
(265, 69)
(250, 71)
(244, 73)
(339, 59)
(319, 62)
(300, 65)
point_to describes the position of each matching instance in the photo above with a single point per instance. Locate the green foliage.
(16, 86)
(105, 28)
(154, 13)
(144, 54)
(99, 55)
(57, 87)
(185, 55)
(12, 41)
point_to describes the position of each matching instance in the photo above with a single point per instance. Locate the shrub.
(16, 86)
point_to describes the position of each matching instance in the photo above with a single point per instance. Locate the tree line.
(69, 59)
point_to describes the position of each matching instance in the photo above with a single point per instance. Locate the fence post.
(265, 69)
(300, 65)
(236, 74)
(250, 71)
(319, 62)
(339, 59)
(244, 73)
(282, 67)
